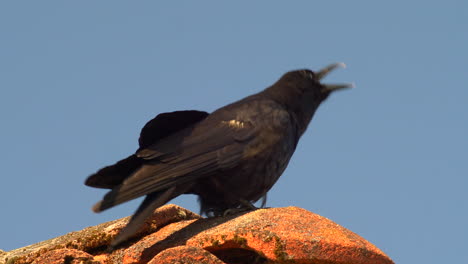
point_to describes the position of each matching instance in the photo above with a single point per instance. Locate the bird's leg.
(264, 201)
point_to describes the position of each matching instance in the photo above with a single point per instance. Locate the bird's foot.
(245, 206)
(232, 211)
(248, 204)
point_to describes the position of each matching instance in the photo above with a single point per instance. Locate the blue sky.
(388, 159)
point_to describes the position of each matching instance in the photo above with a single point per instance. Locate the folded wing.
(183, 157)
(162, 126)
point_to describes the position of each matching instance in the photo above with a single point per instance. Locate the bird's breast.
(264, 160)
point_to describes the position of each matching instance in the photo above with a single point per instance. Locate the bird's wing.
(182, 158)
(166, 124)
(161, 126)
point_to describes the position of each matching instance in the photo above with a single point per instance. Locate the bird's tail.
(146, 208)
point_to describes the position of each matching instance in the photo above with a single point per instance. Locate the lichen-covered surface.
(65, 255)
(95, 238)
(291, 234)
(186, 255)
(176, 235)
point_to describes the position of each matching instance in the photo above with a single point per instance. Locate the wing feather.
(206, 150)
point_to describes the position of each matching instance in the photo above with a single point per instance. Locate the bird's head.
(307, 83)
(301, 91)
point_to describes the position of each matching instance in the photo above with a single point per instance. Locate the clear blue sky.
(388, 159)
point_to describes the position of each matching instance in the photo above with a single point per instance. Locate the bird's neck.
(282, 95)
(301, 108)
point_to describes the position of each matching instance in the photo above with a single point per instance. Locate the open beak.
(332, 87)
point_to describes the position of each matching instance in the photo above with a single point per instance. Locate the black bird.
(229, 158)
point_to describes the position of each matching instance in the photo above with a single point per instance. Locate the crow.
(229, 158)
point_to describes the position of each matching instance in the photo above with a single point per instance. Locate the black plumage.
(229, 158)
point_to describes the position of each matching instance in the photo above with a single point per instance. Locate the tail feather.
(146, 208)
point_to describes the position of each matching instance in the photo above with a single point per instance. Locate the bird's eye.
(308, 74)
